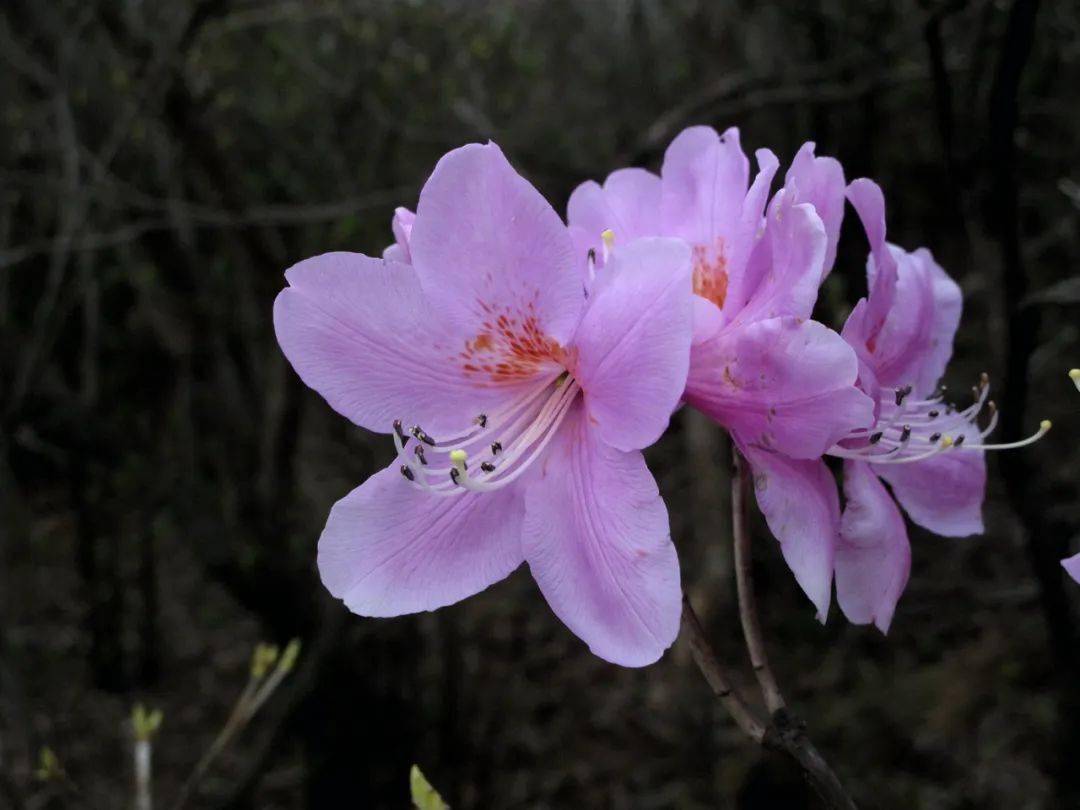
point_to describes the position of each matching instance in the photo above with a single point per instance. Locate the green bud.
(288, 658)
(424, 796)
(49, 767)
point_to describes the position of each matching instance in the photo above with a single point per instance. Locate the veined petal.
(705, 177)
(632, 349)
(820, 182)
(948, 306)
(943, 493)
(869, 203)
(873, 559)
(782, 383)
(390, 548)
(742, 239)
(799, 501)
(485, 241)
(598, 543)
(360, 332)
(787, 263)
(628, 204)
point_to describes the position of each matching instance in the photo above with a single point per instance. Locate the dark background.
(164, 476)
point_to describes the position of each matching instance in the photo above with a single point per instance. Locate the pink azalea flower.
(930, 454)
(519, 402)
(782, 384)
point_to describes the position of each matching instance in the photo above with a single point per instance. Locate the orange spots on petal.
(729, 378)
(511, 347)
(710, 273)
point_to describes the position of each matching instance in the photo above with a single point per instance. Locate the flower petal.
(1072, 566)
(360, 332)
(628, 204)
(598, 543)
(820, 182)
(783, 383)
(390, 548)
(873, 560)
(401, 225)
(705, 177)
(865, 195)
(485, 238)
(943, 493)
(786, 263)
(633, 345)
(799, 501)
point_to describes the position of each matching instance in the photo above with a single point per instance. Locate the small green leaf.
(424, 796)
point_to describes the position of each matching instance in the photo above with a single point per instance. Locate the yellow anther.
(609, 238)
(947, 441)
(458, 458)
(1074, 375)
(1045, 425)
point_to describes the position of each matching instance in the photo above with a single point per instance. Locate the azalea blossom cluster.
(520, 364)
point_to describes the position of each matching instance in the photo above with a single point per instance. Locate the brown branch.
(717, 676)
(744, 582)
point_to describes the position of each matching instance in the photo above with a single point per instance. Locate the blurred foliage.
(164, 476)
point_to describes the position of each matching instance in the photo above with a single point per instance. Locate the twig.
(744, 582)
(261, 684)
(717, 676)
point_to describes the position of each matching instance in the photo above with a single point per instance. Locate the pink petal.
(633, 345)
(708, 319)
(359, 331)
(628, 204)
(390, 548)
(401, 225)
(873, 559)
(948, 306)
(865, 195)
(820, 182)
(598, 543)
(705, 179)
(943, 493)
(783, 383)
(799, 501)
(484, 239)
(787, 263)
(1072, 566)
(739, 239)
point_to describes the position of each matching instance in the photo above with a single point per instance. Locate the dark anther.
(901, 393)
(496, 448)
(487, 466)
(591, 255)
(875, 437)
(454, 475)
(400, 431)
(933, 414)
(984, 380)
(420, 454)
(934, 437)
(959, 440)
(905, 434)
(481, 420)
(406, 470)
(418, 432)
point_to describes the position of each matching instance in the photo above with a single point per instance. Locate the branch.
(785, 733)
(717, 676)
(744, 581)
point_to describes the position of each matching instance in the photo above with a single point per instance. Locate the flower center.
(495, 450)
(710, 273)
(911, 429)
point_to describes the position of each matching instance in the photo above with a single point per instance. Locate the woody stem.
(717, 675)
(744, 581)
